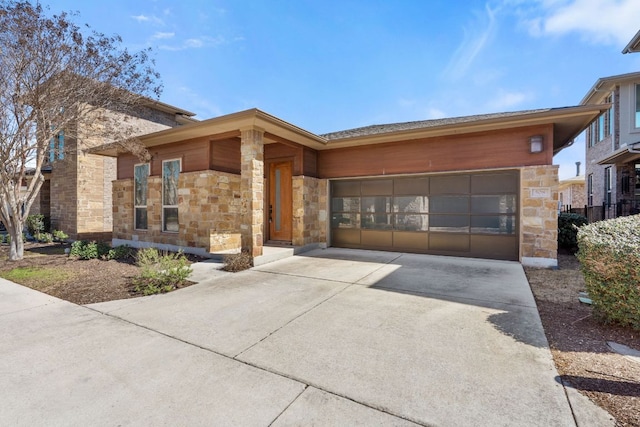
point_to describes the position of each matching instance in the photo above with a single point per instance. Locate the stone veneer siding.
(252, 190)
(208, 203)
(309, 210)
(539, 215)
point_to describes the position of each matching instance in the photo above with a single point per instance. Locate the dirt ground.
(78, 281)
(578, 342)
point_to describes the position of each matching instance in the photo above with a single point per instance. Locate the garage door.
(473, 215)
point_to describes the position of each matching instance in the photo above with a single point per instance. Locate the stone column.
(252, 189)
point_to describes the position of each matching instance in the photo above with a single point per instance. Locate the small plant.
(121, 252)
(568, 224)
(44, 237)
(88, 250)
(160, 273)
(35, 224)
(59, 235)
(237, 262)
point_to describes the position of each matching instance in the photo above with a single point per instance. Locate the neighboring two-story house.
(613, 148)
(77, 193)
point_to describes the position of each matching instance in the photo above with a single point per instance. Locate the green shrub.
(88, 250)
(60, 236)
(237, 262)
(44, 237)
(35, 224)
(160, 273)
(121, 252)
(568, 224)
(609, 254)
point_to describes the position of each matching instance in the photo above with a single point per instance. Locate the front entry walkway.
(330, 337)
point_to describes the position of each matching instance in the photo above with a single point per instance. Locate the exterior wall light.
(536, 144)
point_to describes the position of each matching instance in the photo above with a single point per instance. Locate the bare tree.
(54, 75)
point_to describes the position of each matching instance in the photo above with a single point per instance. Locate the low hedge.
(568, 224)
(609, 254)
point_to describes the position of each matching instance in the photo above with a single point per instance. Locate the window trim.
(590, 189)
(145, 206)
(179, 160)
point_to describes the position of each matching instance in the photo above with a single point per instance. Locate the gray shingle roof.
(422, 124)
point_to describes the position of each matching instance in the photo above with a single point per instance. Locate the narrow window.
(56, 147)
(637, 116)
(170, 175)
(590, 189)
(601, 127)
(141, 174)
(607, 185)
(610, 117)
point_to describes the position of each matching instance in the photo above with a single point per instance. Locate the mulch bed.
(579, 342)
(87, 281)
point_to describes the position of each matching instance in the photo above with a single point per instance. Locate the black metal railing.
(606, 211)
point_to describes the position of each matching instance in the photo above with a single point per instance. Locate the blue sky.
(337, 64)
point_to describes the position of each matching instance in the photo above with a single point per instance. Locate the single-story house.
(476, 186)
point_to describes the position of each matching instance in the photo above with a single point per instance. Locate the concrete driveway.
(331, 337)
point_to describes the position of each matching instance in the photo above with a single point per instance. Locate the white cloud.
(598, 21)
(195, 43)
(161, 35)
(474, 41)
(505, 100)
(145, 18)
(435, 113)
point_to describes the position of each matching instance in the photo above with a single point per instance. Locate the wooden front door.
(280, 208)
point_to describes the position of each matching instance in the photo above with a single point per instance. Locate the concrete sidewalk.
(335, 337)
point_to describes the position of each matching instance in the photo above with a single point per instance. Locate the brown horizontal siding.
(281, 151)
(486, 150)
(310, 162)
(225, 155)
(193, 153)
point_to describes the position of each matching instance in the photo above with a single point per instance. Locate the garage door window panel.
(449, 204)
(493, 224)
(449, 223)
(411, 213)
(493, 204)
(376, 213)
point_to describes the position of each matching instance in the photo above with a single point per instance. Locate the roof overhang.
(274, 128)
(568, 123)
(625, 154)
(633, 45)
(603, 86)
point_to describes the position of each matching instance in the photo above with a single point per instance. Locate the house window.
(56, 147)
(170, 175)
(601, 129)
(590, 189)
(141, 175)
(607, 185)
(637, 116)
(609, 117)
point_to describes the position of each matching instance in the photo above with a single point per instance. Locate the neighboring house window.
(170, 175)
(56, 147)
(590, 189)
(637, 116)
(609, 117)
(141, 175)
(607, 185)
(601, 127)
